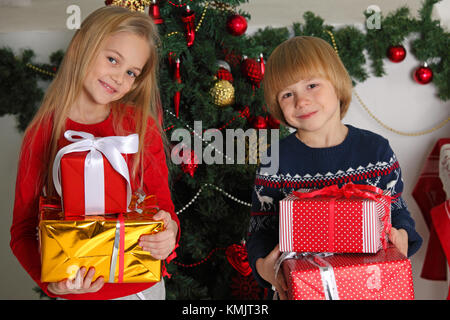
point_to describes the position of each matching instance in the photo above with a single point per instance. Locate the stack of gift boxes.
(96, 221)
(335, 246)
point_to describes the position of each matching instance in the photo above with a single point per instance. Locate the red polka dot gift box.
(351, 219)
(385, 275)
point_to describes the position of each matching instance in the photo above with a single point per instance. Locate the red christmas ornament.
(177, 78)
(396, 53)
(232, 57)
(423, 74)
(258, 122)
(224, 72)
(261, 63)
(237, 256)
(108, 2)
(252, 70)
(189, 160)
(188, 18)
(245, 288)
(236, 25)
(153, 12)
(245, 112)
(272, 123)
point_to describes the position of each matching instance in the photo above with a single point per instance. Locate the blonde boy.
(308, 88)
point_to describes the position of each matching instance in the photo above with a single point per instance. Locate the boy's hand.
(399, 238)
(81, 283)
(161, 244)
(266, 269)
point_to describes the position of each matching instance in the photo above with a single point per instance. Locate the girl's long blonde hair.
(66, 86)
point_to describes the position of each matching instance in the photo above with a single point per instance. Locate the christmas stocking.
(429, 193)
(441, 222)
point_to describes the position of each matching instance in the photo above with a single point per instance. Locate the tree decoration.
(396, 53)
(262, 64)
(245, 288)
(188, 19)
(222, 93)
(258, 122)
(224, 72)
(238, 257)
(177, 78)
(423, 74)
(153, 11)
(189, 160)
(252, 71)
(132, 5)
(236, 25)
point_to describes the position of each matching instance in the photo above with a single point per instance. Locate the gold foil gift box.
(107, 242)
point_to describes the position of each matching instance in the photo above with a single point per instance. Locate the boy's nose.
(301, 102)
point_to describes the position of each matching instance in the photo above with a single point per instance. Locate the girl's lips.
(306, 116)
(107, 87)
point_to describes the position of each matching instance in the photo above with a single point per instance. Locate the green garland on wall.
(20, 94)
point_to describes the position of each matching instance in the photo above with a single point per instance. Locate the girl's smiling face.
(113, 71)
(310, 104)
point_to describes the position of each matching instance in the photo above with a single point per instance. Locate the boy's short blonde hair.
(301, 58)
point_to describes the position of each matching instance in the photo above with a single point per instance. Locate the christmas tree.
(210, 74)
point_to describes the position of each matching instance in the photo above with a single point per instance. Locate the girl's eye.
(112, 60)
(132, 74)
(312, 85)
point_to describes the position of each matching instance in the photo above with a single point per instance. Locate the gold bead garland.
(48, 73)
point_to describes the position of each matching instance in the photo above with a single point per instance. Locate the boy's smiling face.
(310, 105)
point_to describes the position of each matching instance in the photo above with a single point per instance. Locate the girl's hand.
(266, 269)
(82, 283)
(161, 244)
(399, 238)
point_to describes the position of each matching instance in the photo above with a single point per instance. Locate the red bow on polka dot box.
(352, 276)
(352, 219)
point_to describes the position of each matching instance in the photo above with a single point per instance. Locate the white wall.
(396, 99)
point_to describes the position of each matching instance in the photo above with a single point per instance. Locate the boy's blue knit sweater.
(362, 158)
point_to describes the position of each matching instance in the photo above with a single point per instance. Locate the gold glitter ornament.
(222, 93)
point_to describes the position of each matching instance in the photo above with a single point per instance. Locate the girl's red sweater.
(24, 240)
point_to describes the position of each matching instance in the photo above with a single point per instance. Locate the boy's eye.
(112, 60)
(286, 95)
(312, 85)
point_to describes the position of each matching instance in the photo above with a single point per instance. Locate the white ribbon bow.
(112, 148)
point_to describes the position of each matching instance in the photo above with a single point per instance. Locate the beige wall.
(396, 99)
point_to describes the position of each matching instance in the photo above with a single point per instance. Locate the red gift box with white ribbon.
(353, 218)
(386, 275)
(91, 174)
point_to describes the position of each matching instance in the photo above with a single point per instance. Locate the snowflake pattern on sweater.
(362, 158)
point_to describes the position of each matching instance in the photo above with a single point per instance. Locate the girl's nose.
(117, 77)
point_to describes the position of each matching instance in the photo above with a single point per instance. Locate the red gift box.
(72, 184)
(386, 275)
(91, 174)
(352, 219)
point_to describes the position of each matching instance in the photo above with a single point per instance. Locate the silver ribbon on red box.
(325, 268)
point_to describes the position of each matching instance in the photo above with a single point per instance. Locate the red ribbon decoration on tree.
(188, 18)
(238, 257)
(177, 96)
(351, 190)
